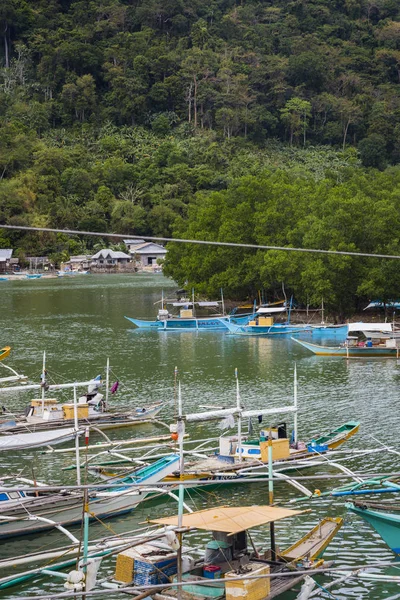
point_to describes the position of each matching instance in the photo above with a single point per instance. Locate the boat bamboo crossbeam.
(217, 414)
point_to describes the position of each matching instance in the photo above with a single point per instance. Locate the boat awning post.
(43, 380)
(78, 465)
(239, 409)
(271, 495)
(180, 431)
(107, 381)
(295, 405)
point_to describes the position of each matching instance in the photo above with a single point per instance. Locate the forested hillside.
(132, 116)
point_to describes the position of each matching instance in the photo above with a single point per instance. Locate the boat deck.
(279, 585)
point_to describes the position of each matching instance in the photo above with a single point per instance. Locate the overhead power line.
(200, 242)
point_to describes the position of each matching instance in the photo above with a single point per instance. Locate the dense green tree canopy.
(264, 121)
(361, 214)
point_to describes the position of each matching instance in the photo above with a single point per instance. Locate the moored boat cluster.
(160, 561)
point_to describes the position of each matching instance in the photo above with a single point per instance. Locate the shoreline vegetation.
(268, 123)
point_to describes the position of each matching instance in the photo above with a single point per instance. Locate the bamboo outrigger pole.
(43, 382)
(76, 425)
(180, 431)
(239, 408)
(271, 495)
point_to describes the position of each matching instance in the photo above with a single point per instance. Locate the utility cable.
(201, 242)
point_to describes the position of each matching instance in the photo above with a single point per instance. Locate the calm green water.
(79, 322)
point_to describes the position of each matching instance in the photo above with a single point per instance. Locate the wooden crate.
(248, 589)
(82, 410)
(265, 321)
(47, 402)
(280, 449)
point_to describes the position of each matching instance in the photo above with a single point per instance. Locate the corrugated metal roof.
(134, 241)
(148, 247)
(110, 254)
(6, 254)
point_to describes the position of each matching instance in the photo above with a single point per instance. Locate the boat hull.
(67, 510)
(192, 324)
(4, 352)
(339, 436)
(102, 421)
(385, 523)
(350, 352)
(338, 333)
(264, 330)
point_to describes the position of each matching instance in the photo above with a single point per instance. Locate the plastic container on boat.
(218, 551)
(212, 572)
(314, 447)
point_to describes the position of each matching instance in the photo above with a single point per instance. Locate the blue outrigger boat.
(187, 319)
(180, 323)
(262, 323)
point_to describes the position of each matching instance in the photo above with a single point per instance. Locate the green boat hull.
(385, 523)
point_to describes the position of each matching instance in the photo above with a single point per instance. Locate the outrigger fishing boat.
(92, 409)
(352, 349)
(189, 315)
(362, 340)
(262, 323)
(250, 448)
(39, 511)
(384, 518)
(227, 461)
(228, 560)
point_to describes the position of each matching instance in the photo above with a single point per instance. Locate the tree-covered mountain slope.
(134, 116)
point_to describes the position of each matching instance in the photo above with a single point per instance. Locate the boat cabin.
(251, 448)
(367, 339)
(7, 496)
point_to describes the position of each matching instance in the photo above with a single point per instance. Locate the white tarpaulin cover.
(264, 310)
(387, 327)
(215, 304)
(19, 441)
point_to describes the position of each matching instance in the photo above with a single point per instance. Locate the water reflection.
(80, 323)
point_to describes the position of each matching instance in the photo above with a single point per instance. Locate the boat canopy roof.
(190, 303)
(267, 310)
(387, 327)
(231, 519)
